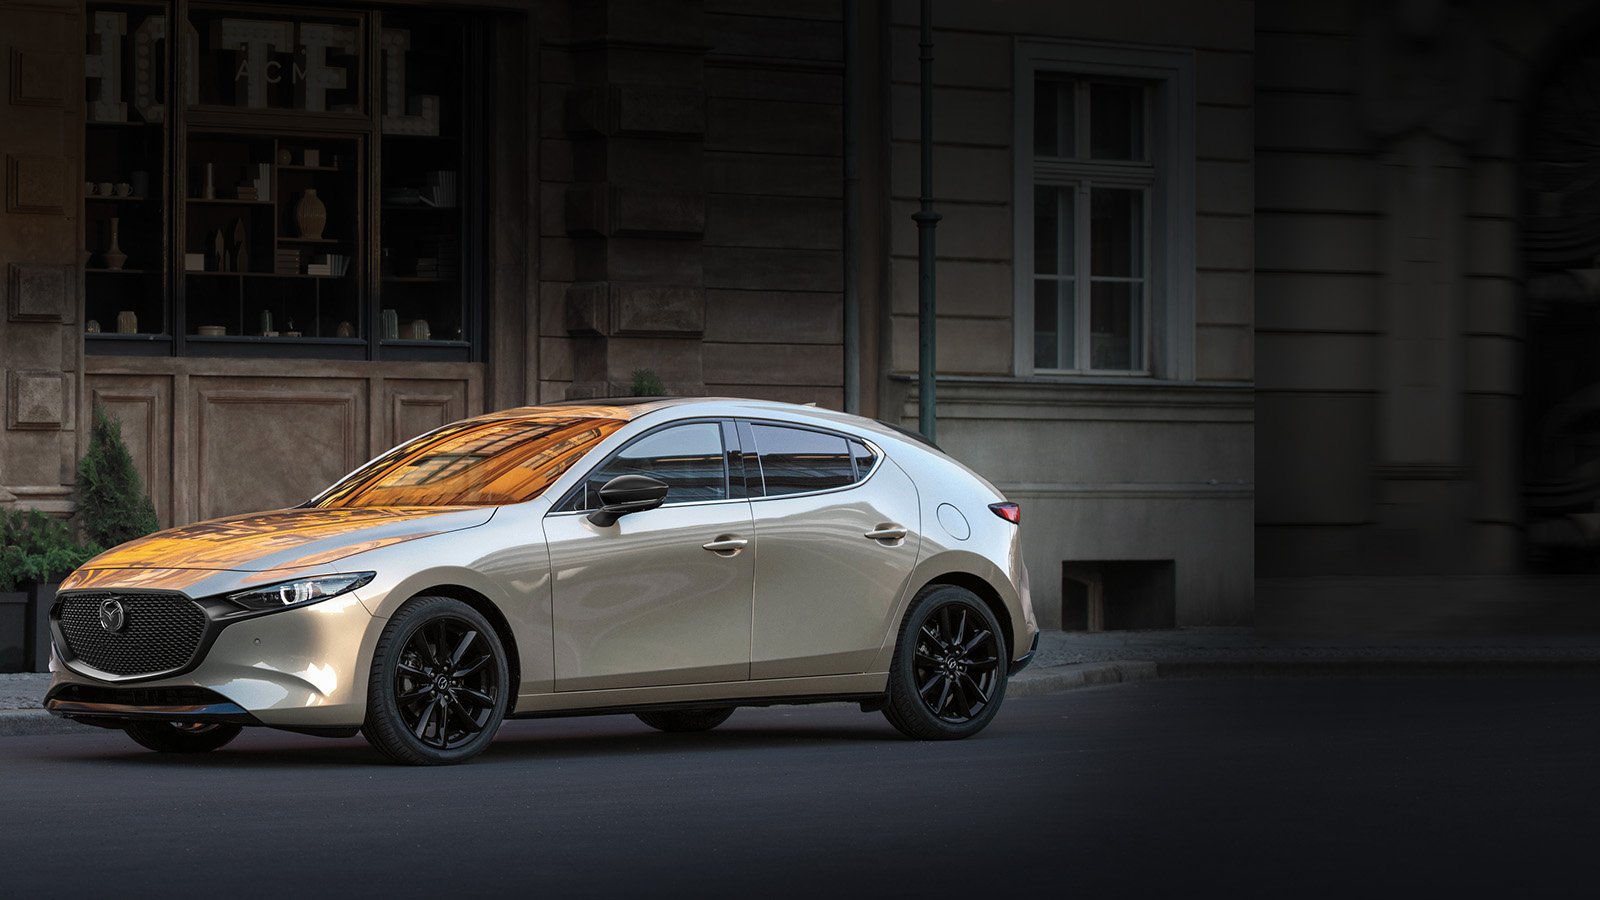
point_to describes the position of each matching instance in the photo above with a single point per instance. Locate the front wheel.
(439, 685)
(949, 671)
(171, 737)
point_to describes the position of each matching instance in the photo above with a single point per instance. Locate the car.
(673, 558)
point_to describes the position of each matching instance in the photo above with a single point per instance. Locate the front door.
(644, 601)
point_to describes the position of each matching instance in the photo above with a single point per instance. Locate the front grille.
(160, 632)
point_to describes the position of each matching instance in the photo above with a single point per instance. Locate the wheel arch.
(487, 608)
(966, 570)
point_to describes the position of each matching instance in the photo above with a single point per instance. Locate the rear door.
(839, 529)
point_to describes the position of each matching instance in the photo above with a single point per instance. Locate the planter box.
(37, 652)
(13, 631)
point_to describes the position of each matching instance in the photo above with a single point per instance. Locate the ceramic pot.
(310, 216)
(114, 257)
(127, 322)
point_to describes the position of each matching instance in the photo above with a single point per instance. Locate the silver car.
(670, 558)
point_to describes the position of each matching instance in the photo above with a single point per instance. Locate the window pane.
(479, 462)
(864, 458)
(794, 461)
(1052, 117)
(1053, 321)
(1116, 326)
(687, 457)
(1052, 230)
(1116, 121)
(1116, 232)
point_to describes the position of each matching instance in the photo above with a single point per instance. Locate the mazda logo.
(113, 616)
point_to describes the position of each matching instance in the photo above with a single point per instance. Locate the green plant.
(37, 548)
(646, 383)
(112, 505)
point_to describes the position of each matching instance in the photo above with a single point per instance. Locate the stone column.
(637, 207)
(41, 250)
(1425, 99)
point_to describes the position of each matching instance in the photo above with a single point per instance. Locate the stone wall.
(1107, 470)
(690, 212)
(41, 250)
(1389, 311)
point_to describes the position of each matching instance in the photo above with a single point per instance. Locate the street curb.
(26, 722)
(1305, 668)
(1065, 678)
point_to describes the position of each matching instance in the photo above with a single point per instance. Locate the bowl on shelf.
(212, 330)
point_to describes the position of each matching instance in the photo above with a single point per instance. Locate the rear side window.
(688, 458)
(798, 461)
(864, 458)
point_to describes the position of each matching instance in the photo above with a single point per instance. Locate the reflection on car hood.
(289, 538)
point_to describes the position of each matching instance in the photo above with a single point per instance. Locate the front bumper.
(303, 668)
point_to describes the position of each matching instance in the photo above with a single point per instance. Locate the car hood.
(261, 542)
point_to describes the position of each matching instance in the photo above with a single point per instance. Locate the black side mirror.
(627, 494)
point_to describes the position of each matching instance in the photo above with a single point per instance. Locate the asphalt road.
(1284, 788)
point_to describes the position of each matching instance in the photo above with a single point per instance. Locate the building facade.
(1383, 205)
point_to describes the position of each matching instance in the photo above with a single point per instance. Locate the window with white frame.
(1104, 258)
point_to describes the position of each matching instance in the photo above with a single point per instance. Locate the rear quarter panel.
(990, 549)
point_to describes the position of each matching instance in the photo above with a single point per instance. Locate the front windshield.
(480, 462)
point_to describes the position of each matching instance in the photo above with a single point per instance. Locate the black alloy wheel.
(949, 672)
(186, 737)
(439, 684)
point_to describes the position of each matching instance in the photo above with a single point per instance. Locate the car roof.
(630, 408)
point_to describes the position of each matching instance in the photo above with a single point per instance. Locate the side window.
(864, 458)
(797, 461)
(688, 458)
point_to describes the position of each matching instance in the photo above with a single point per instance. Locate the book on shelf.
(441, 188)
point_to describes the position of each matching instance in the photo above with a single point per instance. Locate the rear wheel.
(439, 685)
(686, 719)
(949, 671)
(171, 737)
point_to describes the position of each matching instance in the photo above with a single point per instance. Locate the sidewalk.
(1068, 660)
(1079, 659)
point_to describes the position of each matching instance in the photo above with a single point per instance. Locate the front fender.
(503, 561)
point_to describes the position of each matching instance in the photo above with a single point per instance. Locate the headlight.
(300, 591)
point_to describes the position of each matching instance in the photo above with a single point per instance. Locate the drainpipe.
(852, 214)
(927, 220)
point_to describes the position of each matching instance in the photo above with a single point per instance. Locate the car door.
(660, 597)
(838, 527)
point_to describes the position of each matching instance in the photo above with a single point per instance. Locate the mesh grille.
(159, 633)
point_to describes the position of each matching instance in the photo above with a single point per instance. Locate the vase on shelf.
(114, 257)
(310, 216)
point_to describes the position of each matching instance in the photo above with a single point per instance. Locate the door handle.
(726, 545)
(886, 532)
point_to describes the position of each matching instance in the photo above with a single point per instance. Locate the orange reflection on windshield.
(479, 462)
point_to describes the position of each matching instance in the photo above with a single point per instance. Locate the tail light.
(1011, 512)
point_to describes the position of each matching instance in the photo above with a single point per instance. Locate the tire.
(170, 737)
(427, 706)
(685, 720)
(937, 692)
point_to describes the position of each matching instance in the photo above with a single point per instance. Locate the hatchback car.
(670, 558)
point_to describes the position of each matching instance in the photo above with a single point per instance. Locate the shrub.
(37, 548)
(646, 383)
(112, 505)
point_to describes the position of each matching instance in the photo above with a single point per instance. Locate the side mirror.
(627, 494)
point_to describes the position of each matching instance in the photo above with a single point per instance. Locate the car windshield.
(479, 462)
